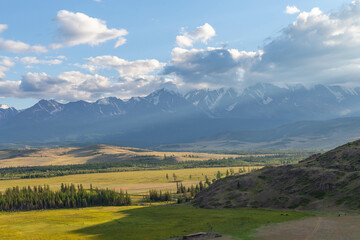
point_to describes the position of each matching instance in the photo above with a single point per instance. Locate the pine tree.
(218, 175)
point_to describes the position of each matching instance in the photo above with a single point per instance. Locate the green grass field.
(135, 222)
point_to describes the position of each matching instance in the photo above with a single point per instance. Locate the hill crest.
(322, 181)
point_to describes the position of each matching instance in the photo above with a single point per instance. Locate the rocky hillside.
(322, 181)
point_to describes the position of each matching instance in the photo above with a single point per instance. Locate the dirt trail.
(320, 228)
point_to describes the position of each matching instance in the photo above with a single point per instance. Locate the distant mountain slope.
(166, 117)
(7, 113)
(323, 181)
(272, 102)
(299, 135)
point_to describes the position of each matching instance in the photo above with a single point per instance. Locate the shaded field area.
(135, 182)
(134, 222)
(329, 228)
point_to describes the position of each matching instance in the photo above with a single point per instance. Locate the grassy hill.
(322, 181)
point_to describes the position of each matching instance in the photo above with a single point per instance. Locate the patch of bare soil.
(318, 228)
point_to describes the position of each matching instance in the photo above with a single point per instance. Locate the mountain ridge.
(173, 118)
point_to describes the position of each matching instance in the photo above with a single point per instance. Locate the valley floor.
(138, 222)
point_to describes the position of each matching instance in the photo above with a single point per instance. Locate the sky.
(90, 49)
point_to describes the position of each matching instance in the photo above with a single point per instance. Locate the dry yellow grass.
(135, 182)
(99, 153)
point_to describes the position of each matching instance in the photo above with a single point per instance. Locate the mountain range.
(259, 113)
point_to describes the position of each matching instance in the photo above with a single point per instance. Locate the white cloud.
(202, 33)
(125, 68)
(210, 67)
(18, 46)
(79, 28)
(5, 64)
(9, 88)
(74, 85)
(3, 27)
(6, 61)
(68, 86)
(3, 69)
(317, 48)
(291, 10)
(35, 60)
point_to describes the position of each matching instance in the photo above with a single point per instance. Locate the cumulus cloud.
(9, 88)
(68, 86)
(5, 64)
(136, 78)
(202, 33)
(316, 48)
(210, 67)
(78, 28)
(75, 85)
(291, 10)
(34, 60)
(124, 67)
(18, 46)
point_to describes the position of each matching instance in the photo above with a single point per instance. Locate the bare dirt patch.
(329, 228)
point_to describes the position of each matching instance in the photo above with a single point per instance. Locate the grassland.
(111, 167)
(156, 222)
(100, 153)
(106, 153)
(135, 182)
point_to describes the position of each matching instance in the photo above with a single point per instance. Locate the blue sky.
(175, 44)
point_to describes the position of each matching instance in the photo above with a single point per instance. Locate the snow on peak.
(3, 106)
(231, 107)
(156, 100)
(267, 100)
(103, 101)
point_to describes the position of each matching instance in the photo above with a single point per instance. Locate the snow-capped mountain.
(169, 116)
(213, 102)
(258, 101)
(7, 112)
(273, 102)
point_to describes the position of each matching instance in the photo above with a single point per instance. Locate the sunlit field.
(102, 153)
(135, 182)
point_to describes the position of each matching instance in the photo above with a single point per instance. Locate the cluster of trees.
(69, 196)
(158, 196)
(183, 194)
(187, 194)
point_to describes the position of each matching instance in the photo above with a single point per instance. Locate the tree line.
(133, 165)
(69, 196)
